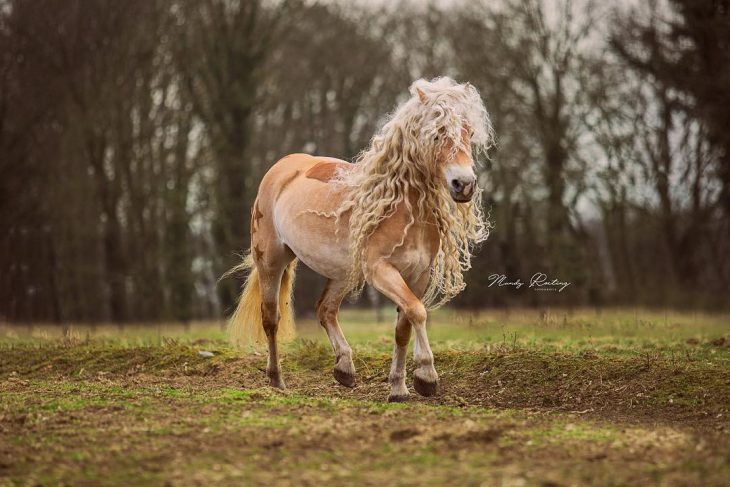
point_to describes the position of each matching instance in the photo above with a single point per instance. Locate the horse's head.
(456, 161)
(453, 123)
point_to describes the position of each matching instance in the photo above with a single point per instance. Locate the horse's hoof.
(424, 388)
(347, 380)
(398, 398)
(277, 382)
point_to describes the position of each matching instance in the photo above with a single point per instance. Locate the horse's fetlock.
(396, 378)
(344, 363)
(427, 373)
(423, 361)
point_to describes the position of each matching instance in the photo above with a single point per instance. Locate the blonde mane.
(403, 157)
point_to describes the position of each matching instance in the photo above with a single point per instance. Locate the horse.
(404, 218)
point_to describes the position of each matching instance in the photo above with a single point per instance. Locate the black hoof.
(277, 382)
(398, 398)
(347, 380)
(424, 388)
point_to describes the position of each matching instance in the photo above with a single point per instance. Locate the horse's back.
(311, 166)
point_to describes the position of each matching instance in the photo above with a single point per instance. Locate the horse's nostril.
(467, 188)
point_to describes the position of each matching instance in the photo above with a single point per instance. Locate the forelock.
(449, 106)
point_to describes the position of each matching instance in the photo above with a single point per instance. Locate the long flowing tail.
(245, 326)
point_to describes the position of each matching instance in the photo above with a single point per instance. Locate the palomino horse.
(404, 218)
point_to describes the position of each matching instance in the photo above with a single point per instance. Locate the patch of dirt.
(482, 436)
(403, 434)
(644, 388)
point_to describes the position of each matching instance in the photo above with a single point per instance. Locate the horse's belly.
(309, 235)
(323, 255)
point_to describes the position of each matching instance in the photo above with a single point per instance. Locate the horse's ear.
(421, 95)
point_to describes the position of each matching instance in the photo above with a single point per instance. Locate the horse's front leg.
(386, 279)
(397, 377)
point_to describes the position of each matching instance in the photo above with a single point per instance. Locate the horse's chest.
(418, 251)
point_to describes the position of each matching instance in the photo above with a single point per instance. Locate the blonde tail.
(245, 326)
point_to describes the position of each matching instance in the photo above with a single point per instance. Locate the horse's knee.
(416, 313)
(322, 313)
(326, 313)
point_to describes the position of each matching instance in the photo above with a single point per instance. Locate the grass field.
(527, 398)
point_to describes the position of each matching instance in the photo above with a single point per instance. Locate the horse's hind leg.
(271, 264)
(270, 281)
(327, 308)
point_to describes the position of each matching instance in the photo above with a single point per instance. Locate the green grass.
(580, 329)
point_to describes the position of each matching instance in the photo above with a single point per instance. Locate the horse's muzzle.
(462, 190)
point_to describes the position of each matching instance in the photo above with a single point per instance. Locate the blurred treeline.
(133, 135)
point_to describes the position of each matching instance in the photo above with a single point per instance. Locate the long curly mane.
(403, 158)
